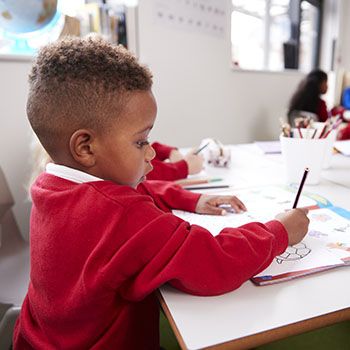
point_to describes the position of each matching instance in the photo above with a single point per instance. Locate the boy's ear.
(81, 146)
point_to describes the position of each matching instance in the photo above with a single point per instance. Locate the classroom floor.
(336, 337)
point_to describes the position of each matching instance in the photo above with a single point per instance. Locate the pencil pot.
(331, 138)
(300, 153)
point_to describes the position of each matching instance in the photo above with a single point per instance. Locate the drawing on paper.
(317, 234)
(321, 217)
(342, 228)
(295, 252)
(339, 245)
(287, 201)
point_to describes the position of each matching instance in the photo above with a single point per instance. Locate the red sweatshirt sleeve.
(162, 151)
(168, 171)
(164, 248)
(322, 111)
(168, 196)
(344, 134)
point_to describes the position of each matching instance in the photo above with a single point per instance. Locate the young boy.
(103, 239)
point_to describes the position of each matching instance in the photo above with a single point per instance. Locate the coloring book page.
(326, 244)
(263, 204)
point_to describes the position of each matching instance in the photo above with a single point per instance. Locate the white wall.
(343, 59)
(15, 135)
(199, 95)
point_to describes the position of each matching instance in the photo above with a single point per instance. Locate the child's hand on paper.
(194, 163)
(215, 205)
(175, 156)
(296, 224)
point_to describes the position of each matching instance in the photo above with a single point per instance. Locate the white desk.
(251, 316)
(339, 172)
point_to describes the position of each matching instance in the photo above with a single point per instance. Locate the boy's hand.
(296, 224)
(175, 156)
(194, 163)
(208, 204)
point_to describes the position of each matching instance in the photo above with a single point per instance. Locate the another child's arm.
(175, 156)
(194, 163)
(167, 171)
(163, 151)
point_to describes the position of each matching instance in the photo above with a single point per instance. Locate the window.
(275, 34)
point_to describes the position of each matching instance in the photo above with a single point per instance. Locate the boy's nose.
(150, 154)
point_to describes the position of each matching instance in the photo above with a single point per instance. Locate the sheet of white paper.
(332, 229)
(327, 242)
(308, 254)
(343, 147)
(263, 204)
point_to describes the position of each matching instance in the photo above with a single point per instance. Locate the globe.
(23, 16)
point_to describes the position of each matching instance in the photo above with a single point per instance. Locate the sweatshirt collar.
(70, 174)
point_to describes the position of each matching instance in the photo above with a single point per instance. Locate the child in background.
(103, 239)
(307, 96)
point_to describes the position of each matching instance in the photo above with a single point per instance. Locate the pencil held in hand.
(202, 148)
(296, 224)
(306, 171)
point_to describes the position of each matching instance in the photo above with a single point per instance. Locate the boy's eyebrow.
(145, 129)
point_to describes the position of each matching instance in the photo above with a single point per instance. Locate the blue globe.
(23, 16)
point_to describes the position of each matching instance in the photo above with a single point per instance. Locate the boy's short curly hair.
(80, 83)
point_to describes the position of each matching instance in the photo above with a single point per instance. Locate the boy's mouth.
(150, 168)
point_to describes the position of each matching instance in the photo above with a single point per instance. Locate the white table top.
(249, 310)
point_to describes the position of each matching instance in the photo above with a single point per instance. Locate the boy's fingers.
(304, 210)
(229, 201)
(239, 203)
(236, 204)
(213, 210)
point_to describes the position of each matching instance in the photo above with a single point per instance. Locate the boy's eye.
(141, 144)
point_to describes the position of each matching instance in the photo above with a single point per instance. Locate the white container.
(332, 136)
(299, 154)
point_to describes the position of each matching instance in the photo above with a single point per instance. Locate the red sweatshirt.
(99, 251)
(166, 170)
(344, 134)
(322, 111)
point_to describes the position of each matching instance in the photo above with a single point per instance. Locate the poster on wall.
(207, 17)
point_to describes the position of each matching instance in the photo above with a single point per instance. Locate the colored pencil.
(189, 182)
(206, 187)
(300, 134)
(323, 130)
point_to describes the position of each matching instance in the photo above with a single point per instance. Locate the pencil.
(323, 130)
(300, 134)
(306, 171)
(209, 187)
(202, 148)
(190, 182)
(334, 127)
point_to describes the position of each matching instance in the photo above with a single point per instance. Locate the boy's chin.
(143, 178)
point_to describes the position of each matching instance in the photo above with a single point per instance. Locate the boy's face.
(123, 154)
